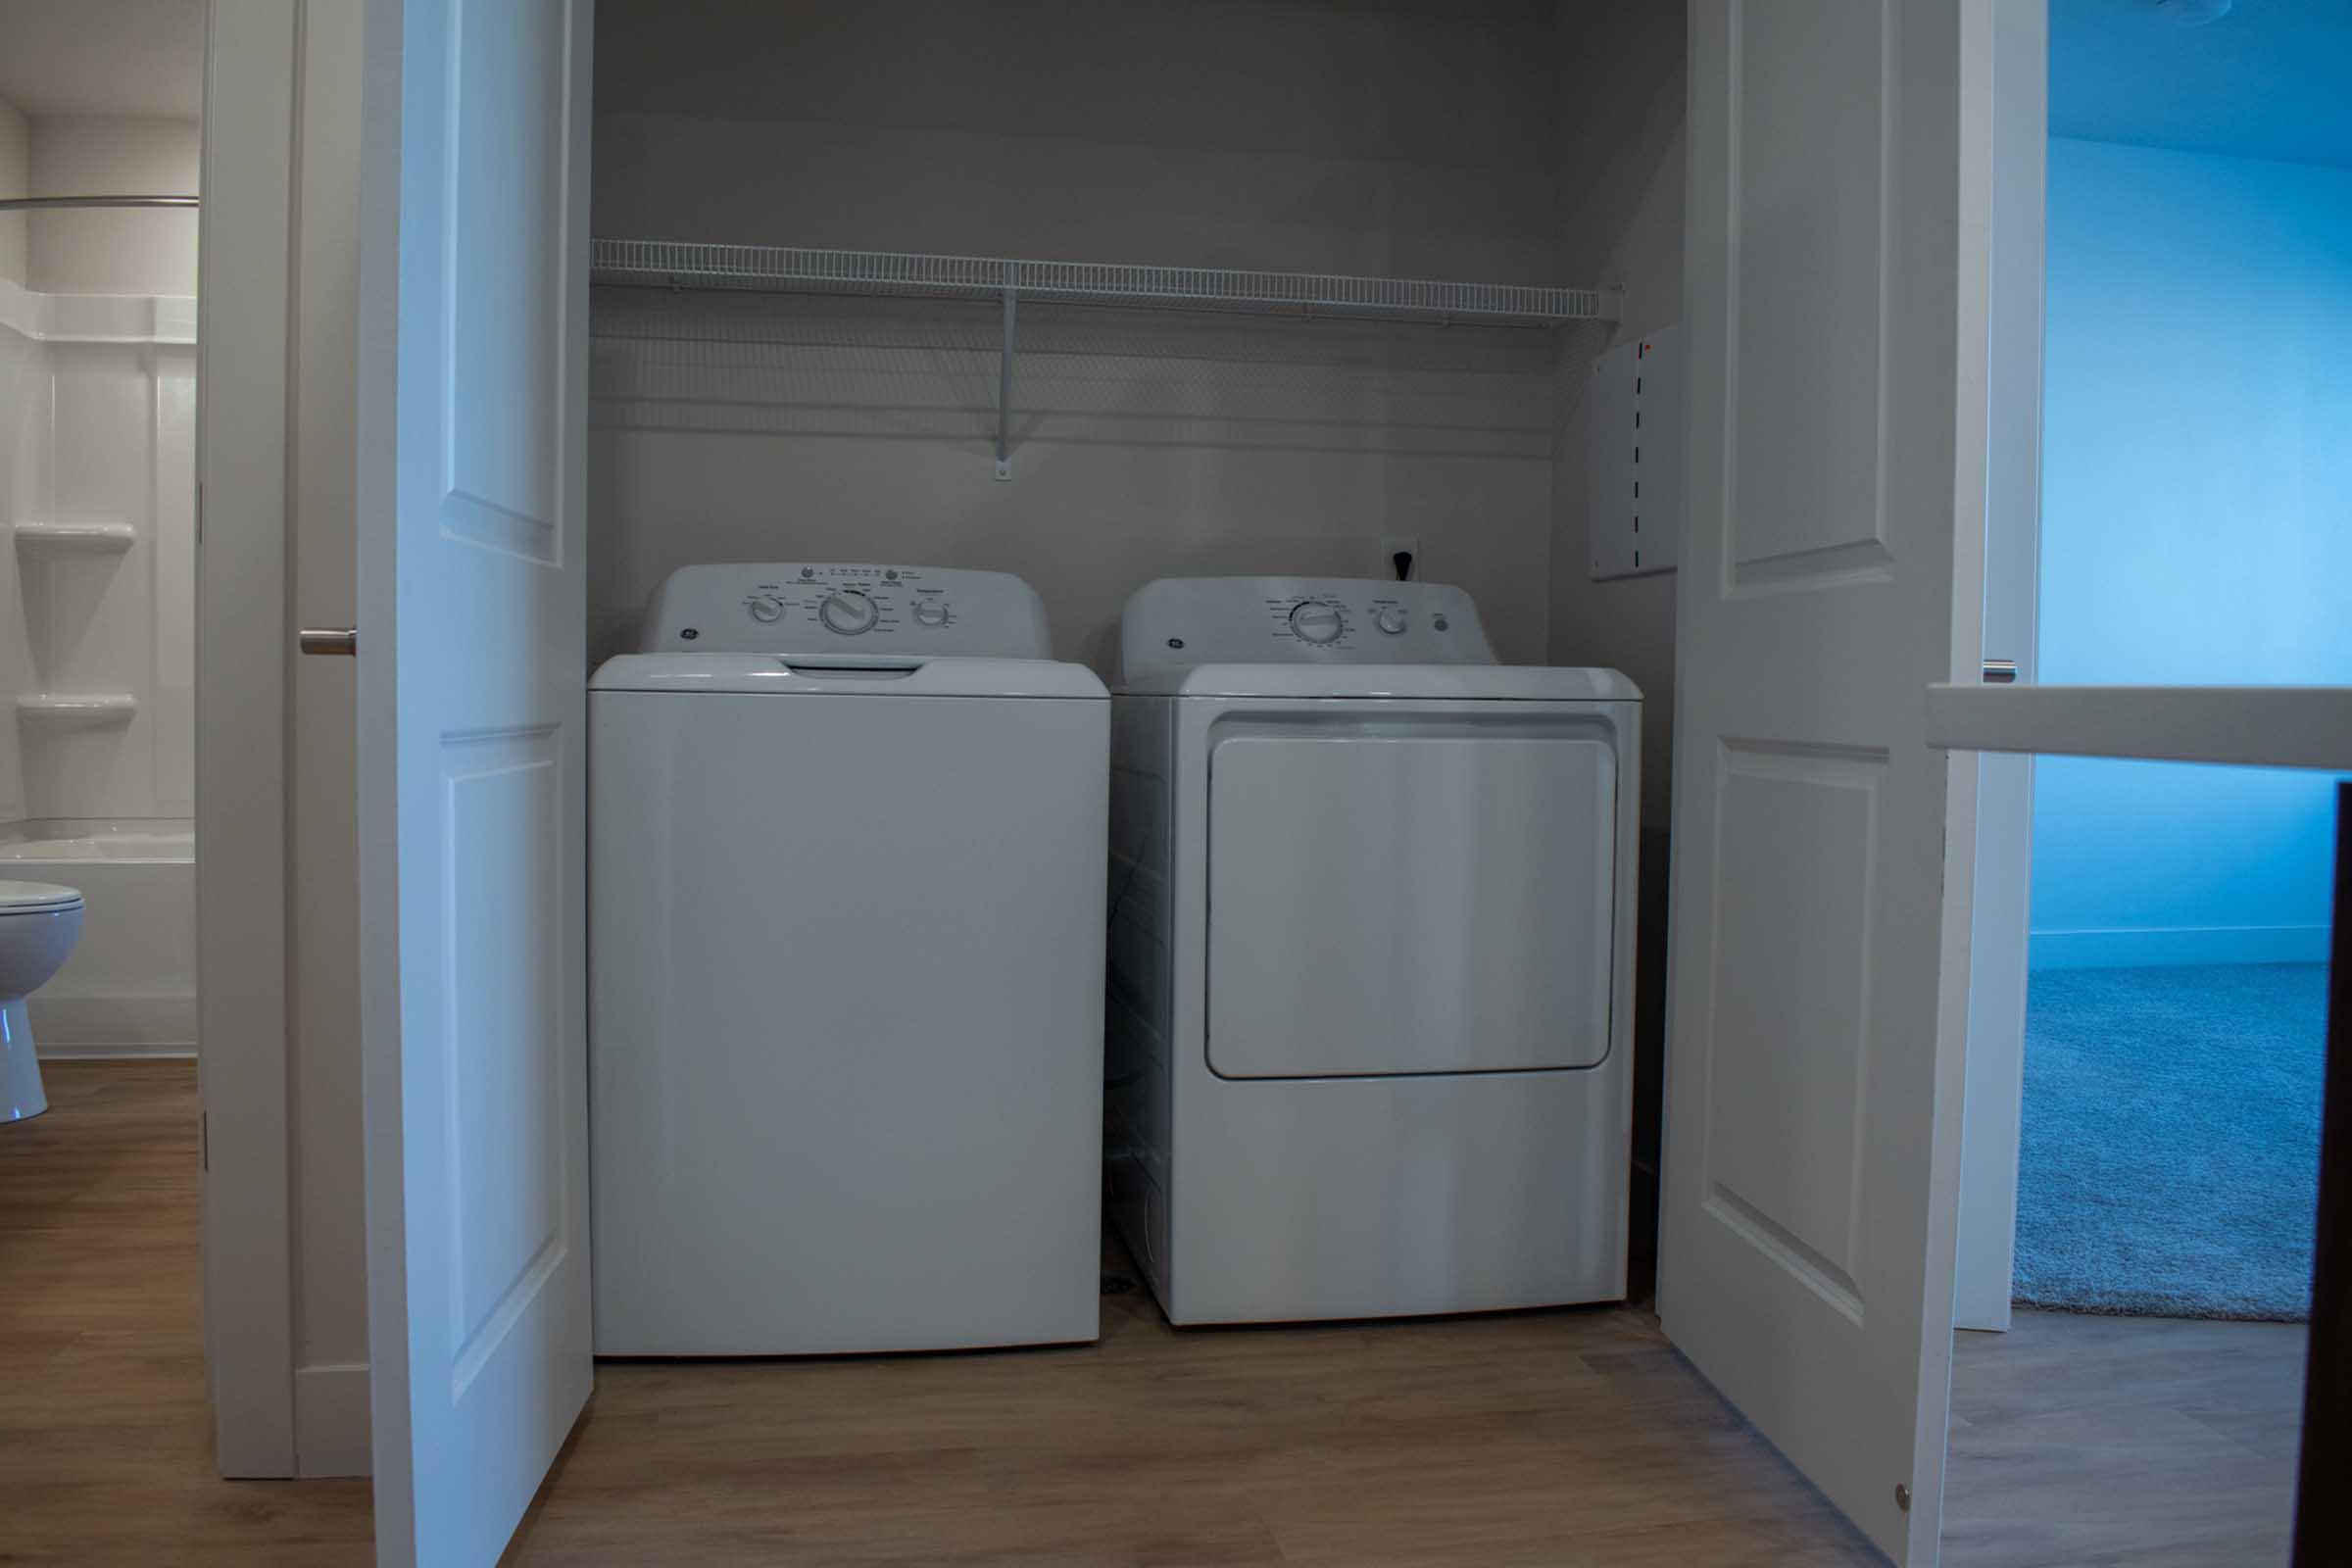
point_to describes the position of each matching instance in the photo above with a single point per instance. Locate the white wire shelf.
(683, 264)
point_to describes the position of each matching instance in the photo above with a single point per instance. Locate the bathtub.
(130, 987)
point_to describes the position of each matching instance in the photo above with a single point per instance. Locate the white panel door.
(1830, 570)
(473, 198)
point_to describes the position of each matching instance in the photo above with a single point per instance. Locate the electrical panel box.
(1633, 423)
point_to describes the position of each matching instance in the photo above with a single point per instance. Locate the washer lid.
(1517, 683)
(846, 675)
(30, 898)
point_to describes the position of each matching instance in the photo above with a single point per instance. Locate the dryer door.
(1393, 892)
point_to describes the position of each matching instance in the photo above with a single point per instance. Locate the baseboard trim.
(331, 1421)
(117, 1050)
(113, 1025)
(2179, 945)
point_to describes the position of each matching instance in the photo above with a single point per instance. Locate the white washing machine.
(847, 882)
(1370, 1025)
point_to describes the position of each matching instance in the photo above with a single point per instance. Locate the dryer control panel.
(1181, 621)
(832, 609)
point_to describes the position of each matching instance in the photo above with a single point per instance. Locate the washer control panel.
(833, 608)
(1285, 621)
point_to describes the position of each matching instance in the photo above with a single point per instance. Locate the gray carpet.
(2170, 1165)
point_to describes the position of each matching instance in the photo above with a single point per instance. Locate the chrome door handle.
(2000, 671)
(343, 640)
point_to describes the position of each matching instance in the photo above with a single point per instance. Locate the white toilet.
(38, 924)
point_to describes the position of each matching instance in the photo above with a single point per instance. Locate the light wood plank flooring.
(106, 1433)
(2089, 1442)
(1556, 1439)
(1559, 1439)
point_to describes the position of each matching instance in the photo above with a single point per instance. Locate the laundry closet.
(1095, 298)
(1511, 142)
(847, 307)
(1141, 291)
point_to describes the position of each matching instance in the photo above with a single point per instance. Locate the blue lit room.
(2195, 528)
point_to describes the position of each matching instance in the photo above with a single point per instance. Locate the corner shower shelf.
(75, 538)
(773, 268)
(76, 711)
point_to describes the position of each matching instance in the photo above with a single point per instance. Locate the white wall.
(24, 371)
(16, 179)
(1396, 140)
(1619, 222)
(2196, 528)
(117, 252)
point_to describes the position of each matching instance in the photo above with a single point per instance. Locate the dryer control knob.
(930, 613)
(849, 611)
(1391, 620)
(1316, 623)
(765, 609)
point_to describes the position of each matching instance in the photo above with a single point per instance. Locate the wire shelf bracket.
(1004, 382)
(772, 269)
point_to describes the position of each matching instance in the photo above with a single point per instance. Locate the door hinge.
(1902, 1497)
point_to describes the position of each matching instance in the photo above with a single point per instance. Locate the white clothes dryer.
(1370, 1027)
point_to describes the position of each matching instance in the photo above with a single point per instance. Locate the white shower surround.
(97, 737)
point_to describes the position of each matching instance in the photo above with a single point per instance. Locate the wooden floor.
(106, 1435)
(2089, 1442)
(1557, 1438)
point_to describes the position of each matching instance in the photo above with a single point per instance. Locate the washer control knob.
(765, 607)
(1391, 620)
(1318, 624)
(849, 611)
(930, 613)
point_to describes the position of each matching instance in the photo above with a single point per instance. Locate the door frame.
(275, 450)
(2000, 923)
(242, 417)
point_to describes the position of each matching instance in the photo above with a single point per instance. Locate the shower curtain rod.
(22, 204)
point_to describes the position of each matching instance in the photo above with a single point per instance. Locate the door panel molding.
(474, 778)
(1833, 568)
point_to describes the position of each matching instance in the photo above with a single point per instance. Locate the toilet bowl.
(38, 924)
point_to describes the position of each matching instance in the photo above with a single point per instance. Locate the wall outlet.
(1408, 545)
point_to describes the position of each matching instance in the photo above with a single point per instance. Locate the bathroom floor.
(1574, 1437)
